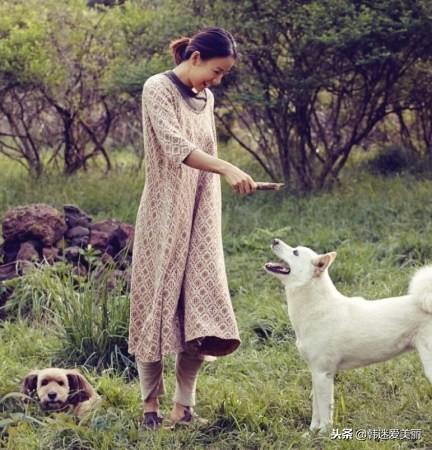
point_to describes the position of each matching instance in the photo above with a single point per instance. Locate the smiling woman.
(212, 51)
(180, 301)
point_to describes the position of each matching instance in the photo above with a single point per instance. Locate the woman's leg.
(151, 384)
(187, 368)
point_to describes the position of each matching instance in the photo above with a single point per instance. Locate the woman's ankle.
(151, 404)
(178, 411)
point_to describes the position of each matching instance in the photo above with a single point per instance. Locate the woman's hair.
(210, 42)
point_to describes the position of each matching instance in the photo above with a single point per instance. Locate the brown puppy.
(60, 390)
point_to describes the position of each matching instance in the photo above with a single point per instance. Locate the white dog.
(335, 332)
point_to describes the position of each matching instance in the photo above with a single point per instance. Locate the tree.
(316, 77)
(55, 57)
(22, 62)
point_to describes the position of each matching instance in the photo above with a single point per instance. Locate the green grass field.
(259, 397)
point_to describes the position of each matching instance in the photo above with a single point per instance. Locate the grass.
(258, 398)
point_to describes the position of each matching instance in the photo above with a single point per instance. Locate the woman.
(180, 301)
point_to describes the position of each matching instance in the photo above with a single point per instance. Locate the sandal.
(189, 418)
(151, 420)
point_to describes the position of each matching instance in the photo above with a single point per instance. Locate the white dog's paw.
(317, 432)
(311, 433)
(324, 430)
(307, 434)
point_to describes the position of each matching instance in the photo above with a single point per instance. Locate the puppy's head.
(56, 388)
(299, 265)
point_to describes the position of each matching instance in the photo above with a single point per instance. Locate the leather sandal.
(151, 420)
(188, 419)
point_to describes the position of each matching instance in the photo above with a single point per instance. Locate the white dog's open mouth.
(281, 268)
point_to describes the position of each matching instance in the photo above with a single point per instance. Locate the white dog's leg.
(323, 390)
(315, 422)
(424, 349)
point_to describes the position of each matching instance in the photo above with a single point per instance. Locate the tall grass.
(88, 314)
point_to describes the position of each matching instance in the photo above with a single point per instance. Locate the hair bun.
(209, 42)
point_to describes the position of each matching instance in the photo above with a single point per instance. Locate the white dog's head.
(300, 264)
(57, 388)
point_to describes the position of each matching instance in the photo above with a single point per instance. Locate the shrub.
(393, 159)
(89, 314)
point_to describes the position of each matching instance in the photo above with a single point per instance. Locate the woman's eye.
(296, 253)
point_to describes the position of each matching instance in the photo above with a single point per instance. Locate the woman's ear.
(195, 58)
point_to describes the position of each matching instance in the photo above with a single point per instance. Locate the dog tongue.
(277, 267)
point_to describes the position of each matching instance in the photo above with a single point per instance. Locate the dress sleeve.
(159, 108)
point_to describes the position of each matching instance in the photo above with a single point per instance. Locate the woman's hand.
(240, 181)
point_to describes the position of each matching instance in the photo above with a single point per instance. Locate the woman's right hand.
(240, 181)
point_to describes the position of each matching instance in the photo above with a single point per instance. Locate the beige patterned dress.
(179, 291)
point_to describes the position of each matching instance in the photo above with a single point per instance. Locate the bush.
(90, 315)
(392, 160)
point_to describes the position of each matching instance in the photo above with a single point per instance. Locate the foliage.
(315, 81)
(317, 77)
(390, 161)
(90, 314)
(54, 59)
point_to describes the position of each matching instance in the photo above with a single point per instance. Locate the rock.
(10, 251)
(38, 221)
(106, 226)
(77, 231)
(78, 236)
(73, 254)
(98, 239)
(111, 236)
(39, 232)
(27, 252)
(37, 245)
(8, 271)
(81, 242)
(50, 254)
(119, 239)
(75, 217)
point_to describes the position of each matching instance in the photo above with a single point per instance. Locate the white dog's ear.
(323, 262)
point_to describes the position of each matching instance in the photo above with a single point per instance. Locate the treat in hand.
(263, 186)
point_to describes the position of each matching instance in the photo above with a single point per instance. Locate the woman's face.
(209, 72)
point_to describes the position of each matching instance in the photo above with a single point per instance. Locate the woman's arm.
(158, 104)
(236, 178)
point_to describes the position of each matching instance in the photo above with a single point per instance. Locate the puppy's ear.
(323, 262)
(29, 384)
(80, 389)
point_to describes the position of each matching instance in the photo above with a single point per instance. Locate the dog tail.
(421, 288)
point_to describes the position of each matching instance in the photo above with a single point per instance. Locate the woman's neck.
(181, 71)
